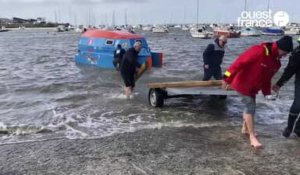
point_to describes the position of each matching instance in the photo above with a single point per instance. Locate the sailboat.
(3, 29)
(184, 27)
(250, 31)
(199, 32)
(160, 29)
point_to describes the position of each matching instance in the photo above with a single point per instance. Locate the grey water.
(45, 95)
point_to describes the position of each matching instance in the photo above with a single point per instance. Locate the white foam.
(120, 95)
(73, 133)
(117, 96)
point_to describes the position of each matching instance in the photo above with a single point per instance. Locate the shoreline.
(186, 150)
(32, 28)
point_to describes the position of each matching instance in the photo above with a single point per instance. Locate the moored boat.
(3, 29)
(248, 32)
(272, 31)
(292, 31)
(200, 33)
(160, 29)
(229, 33)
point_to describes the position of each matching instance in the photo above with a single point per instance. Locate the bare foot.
(255, 143)
(245, 132)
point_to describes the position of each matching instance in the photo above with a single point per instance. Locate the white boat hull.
(160, 30)
(292, 32)
(200, 35)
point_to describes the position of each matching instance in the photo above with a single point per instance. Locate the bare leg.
(127, 91)
(245, 129)
(131, 93)
(248, 118)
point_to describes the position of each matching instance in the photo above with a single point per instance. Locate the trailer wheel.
(223, 97)
(156, 97)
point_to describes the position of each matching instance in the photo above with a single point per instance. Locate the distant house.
(28, 21)
(20, 20)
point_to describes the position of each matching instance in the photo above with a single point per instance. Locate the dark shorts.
(128, 79)
(250, 104)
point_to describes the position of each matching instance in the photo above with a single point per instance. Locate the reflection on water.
(43, 90)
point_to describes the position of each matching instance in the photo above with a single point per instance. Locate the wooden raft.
(186, 84)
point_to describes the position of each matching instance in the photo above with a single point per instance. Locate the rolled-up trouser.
(249, 103)
(128, 78)
(215, 72)
(295, 108)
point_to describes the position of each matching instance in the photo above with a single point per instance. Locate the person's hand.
(271, 97)
(206, 66)
(275, 88)
(225, 85)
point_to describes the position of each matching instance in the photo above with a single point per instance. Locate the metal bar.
(186, 84)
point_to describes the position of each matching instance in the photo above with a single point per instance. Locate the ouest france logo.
(263, 19)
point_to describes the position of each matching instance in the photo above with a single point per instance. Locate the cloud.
(84, 2)
(125, 1)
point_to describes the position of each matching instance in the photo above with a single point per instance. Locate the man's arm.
(290, 70)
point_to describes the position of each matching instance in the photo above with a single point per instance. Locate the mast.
(89, 17)
(125, 18)
(55, 16)
(268, 7)
(197, 13)
(184, 15)
(113, 19)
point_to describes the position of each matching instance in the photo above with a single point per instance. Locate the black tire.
(156, 97)
(222, 97)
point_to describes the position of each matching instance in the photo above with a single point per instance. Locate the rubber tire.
(158, 95)
(223, 97)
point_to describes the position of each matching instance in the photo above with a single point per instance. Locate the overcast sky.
(98, 12)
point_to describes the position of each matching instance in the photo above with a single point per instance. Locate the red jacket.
(253, 70)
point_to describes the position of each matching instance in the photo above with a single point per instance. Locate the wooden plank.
(186, 84)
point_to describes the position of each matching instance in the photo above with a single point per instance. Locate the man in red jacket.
(251, 72)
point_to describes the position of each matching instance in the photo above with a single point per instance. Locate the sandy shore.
(216, 150)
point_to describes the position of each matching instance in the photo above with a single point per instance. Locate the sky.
(96, 12)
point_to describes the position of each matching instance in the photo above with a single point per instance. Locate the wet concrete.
(187, 150)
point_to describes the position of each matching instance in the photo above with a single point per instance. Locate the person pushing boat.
(251, 72)
(129, 67)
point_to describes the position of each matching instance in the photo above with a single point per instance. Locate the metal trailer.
(159, 92)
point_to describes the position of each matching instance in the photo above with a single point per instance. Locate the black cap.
(285, 43)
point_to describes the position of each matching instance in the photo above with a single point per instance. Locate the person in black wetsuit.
(213, 58)
(293, 68)
(129, 67)
(118, 55)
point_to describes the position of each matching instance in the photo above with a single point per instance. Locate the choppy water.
(45, 95)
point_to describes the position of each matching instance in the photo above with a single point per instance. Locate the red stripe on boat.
(110, 34)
